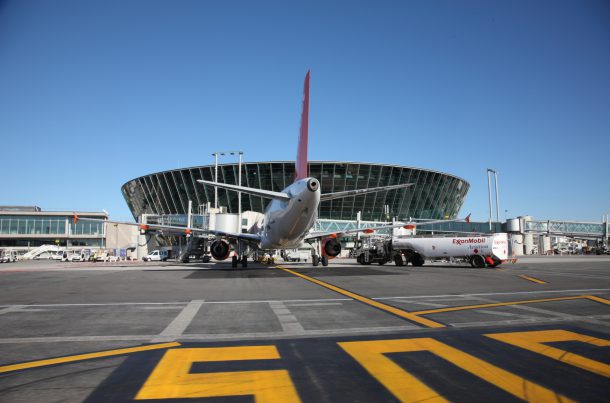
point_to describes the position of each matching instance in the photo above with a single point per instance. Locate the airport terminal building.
(434, 195)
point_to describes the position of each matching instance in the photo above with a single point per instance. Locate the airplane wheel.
(324, 260)
(244, 261)
(477, 261)
(205, 259)
(315, 260)
(234, 261)
(381, 263)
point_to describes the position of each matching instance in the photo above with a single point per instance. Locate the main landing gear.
(316, 260)
(236, 260)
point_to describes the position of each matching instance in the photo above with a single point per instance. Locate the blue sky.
(95, 93)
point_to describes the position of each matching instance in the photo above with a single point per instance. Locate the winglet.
(75, 217)
(301, 161)
(467, 219)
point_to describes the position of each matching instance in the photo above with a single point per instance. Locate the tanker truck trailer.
(480, 250)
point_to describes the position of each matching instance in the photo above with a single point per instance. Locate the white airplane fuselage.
(286, 223)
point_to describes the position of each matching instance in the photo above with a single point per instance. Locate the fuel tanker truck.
(479, 250)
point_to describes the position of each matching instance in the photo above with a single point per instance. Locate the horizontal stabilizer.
(253, 191)
(357, 192)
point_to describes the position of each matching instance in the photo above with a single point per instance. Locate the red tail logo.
(301, 162)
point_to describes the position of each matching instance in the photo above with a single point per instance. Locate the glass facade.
(39, 229)
(32, 225)
(434, 195)
(48, 225)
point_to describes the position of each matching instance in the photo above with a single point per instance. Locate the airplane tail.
(301, 161)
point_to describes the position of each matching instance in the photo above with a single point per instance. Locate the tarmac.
(535, 330)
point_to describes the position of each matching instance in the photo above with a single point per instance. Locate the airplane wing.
(356, 192)
(174, 229)
(253, 191)
(368, 230)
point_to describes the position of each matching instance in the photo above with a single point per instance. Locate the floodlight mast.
(240, 154)
(489, 171)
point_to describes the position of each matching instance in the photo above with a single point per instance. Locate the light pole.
(116, 240)
(490, 171)
(240, 155)
(215, 178)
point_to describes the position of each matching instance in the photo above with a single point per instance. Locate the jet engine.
(220, 249)
(331, 247)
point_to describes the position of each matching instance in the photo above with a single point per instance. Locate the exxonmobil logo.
(463, 241)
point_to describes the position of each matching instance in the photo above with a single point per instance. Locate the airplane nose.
(313, 184)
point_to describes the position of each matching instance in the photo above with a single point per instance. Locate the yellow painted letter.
(407, 388)
(171, 379)
(534, 340)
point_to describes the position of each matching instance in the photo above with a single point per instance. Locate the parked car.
(156, 255)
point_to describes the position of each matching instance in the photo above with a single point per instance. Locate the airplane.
(290, 215)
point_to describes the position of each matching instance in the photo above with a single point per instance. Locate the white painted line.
(552, 314)
(423, 303)
(316, 304)
(104, 304)
(212, 336)
(266, 301)
(589, 290)
(287, 320)
(180, 323)
(12, 308)
(71, 339)
(509, 314)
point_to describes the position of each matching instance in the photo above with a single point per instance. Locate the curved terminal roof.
(435, 195)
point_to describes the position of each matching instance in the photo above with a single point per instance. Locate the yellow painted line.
(81, 357)
(535, 341)
(598, 299)
(531, 301)
(533, 279)
(388, 308)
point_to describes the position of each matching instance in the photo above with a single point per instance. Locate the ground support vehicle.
(296, 255)
(376, 251)
(70, 256)
(8, 256)
(156, 255)
(480, 250)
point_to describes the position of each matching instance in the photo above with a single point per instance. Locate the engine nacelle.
(220, 249)
(331, 247)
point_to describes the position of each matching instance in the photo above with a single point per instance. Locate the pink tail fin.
(301, 162)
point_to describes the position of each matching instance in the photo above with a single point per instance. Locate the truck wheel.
(417, 260)
(381, 262)
(315, 260)
(398, 260)
(496, 262)
(324, 260)
(477, 261)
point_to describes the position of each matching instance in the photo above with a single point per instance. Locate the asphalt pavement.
(536, 330)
